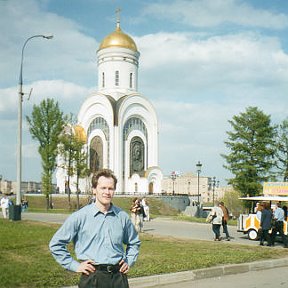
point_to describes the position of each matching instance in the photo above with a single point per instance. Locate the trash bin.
(15, 212)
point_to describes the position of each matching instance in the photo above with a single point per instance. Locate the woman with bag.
(216, 216)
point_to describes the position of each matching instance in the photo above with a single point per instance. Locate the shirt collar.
(95, 210)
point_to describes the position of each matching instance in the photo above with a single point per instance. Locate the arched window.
(130, 80)
(134, 123)
(137, 156)
(117, 78)
(96, 154)
(103, 80)
(101, 124)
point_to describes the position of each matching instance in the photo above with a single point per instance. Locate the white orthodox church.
(120, 126)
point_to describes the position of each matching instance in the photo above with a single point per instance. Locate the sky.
(201, 63)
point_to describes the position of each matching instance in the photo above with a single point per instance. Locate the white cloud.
(70, 55)
(211, 13)
(69, 95)
(245, 64)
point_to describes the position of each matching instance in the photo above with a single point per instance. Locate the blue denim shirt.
(96, 236)
(279, 214)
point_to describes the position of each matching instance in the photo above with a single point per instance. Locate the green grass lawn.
(26, 260)
(157, 207)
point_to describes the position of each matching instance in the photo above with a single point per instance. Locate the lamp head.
(49, 36)
(198, 166)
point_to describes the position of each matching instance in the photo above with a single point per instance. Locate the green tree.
(232, 202)
(74, 154)
(251, 145)
(282, 149)
(45, 125)
(80, 163)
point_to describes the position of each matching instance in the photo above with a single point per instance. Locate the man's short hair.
(107, 173)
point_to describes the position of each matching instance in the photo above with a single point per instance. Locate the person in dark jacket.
(266, 224)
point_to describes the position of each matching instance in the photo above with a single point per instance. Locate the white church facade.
(120, 125)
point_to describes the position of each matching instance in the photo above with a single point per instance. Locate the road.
(161, 227)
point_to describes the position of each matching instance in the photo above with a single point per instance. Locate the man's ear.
(94, 191)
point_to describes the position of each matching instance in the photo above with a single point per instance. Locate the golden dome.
(118, 39)
(80, 133)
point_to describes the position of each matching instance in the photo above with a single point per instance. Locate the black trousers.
(225, 228)
(265, 236)
(104, 279)
(279, 228)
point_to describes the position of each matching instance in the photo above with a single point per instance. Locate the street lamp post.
(19, 139)
(198, 168)
(214, 184)
(173, 177)
(1, 177)
(213, 188)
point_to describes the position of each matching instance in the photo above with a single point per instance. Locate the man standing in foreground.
(98, 231)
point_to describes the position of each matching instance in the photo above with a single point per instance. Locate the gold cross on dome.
(118, 11)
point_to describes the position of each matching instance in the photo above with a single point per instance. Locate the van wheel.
(252, 234)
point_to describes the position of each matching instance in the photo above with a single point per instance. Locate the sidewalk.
(193, 275)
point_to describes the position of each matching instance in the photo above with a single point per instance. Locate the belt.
(107, 268)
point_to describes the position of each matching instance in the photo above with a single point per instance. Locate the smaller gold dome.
(118, 39)
(80, 133)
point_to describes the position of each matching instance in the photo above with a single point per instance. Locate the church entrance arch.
(96, 154)
(151, 187)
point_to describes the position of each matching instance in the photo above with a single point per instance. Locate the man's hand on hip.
(86, 267)
(124, 267)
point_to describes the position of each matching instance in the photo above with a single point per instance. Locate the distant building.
(6, 186)
(9, 187)
(187, 184)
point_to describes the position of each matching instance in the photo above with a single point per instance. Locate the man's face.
(104, 191)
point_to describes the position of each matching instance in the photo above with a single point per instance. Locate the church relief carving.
(96, 154)
(137, 156)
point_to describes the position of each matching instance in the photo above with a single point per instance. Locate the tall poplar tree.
(45, 125)
(282, 150)
(251, 145)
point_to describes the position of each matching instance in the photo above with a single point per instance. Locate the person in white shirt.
(5, 206)
(146, 209)
(279, 217)
(217, 220)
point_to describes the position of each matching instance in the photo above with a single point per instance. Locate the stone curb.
(178, 277)
(162, 279)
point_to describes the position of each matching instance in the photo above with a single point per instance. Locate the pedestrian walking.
(5, 205)
(136, 211)
(225, 219)
(145, 205)
(99, 231)
(265, 225)
(279, 217)
(217, 215)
